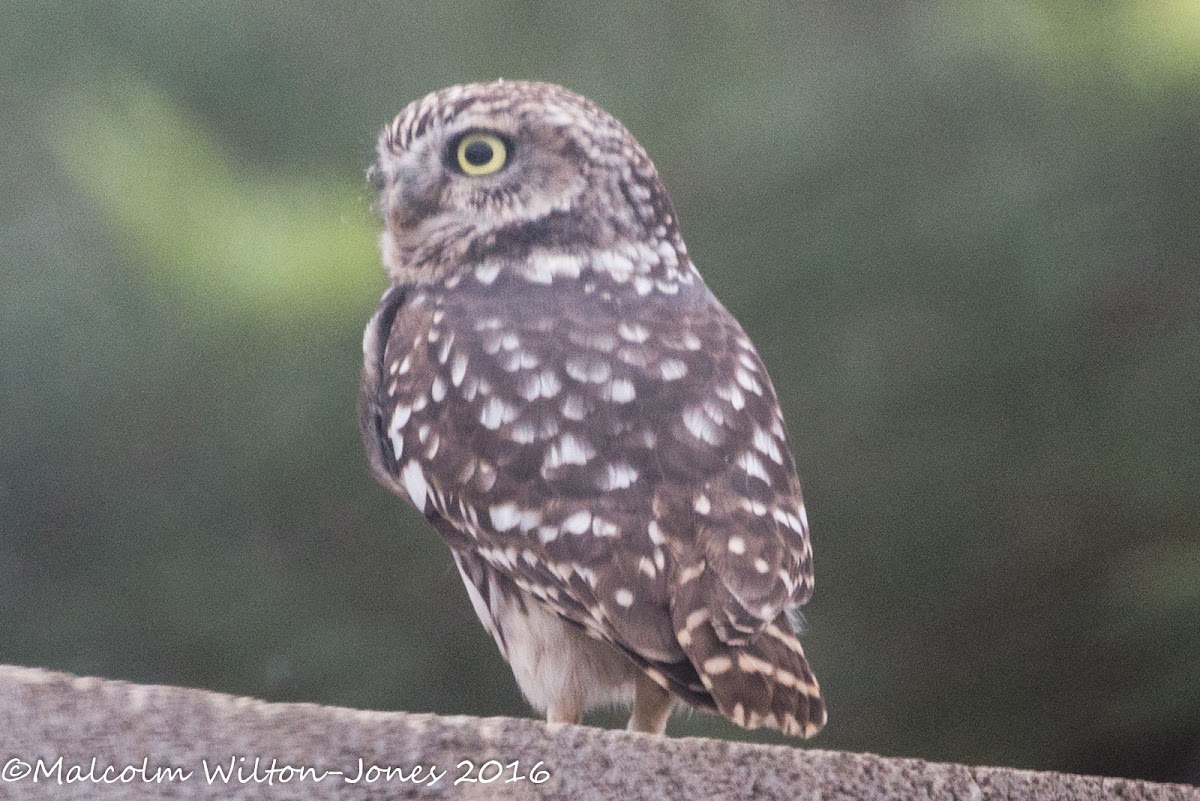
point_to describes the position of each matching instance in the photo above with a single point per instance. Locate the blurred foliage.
(227, 236)
(963, 235)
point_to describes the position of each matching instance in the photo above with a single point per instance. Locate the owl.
(550, 381)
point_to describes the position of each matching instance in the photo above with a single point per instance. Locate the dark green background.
(964, 236)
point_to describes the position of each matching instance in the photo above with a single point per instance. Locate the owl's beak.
(376, 178)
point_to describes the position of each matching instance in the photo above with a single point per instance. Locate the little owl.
(550, 381)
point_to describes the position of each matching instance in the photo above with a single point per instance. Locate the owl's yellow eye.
(481, 154)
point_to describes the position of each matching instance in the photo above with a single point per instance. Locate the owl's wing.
(730, 481)
(601, 449)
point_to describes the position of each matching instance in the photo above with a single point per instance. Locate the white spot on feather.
(633, 332)
(753, 466)
(716, 665)
(700, 426)
(617, 475)
(666, 252)
(544, 384)
(444, 353)
(505, 516)
(415, 484)
(486, 273)
(715, 412)
(619, 268)
(757, 508)
(399, 418)
(765, 443)
(748, 382)
(458, 369)
(588, 369)
(497, 412)
(519, 359)
(733, 395)
(544, 268)
(569, 449)
(619, 390)
(604, 528)
(672, 369)
(578, 523)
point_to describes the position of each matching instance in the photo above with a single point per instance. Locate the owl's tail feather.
(765, 682)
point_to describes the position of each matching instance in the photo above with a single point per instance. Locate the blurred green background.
(964, 236)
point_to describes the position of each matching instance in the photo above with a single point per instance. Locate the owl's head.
(498, 169)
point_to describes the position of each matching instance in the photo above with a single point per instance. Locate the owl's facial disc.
(508, 170)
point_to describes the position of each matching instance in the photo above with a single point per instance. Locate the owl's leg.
(565, 711)
(651, 707)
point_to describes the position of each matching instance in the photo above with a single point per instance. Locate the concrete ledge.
(139, 731)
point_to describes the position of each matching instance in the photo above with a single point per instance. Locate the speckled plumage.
(551, 382)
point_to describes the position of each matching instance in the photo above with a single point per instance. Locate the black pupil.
(478, 153)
